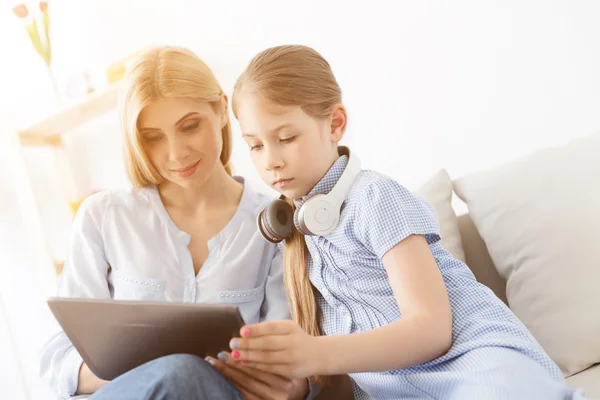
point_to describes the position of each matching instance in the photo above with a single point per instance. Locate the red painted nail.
(235, 354)
(244, 362)
(246, 332)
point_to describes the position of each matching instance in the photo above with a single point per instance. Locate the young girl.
(378, 298)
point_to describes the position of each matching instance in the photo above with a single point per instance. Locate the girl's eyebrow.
(273, 131)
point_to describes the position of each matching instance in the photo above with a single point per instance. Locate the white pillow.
(438, 191)
(540, 218)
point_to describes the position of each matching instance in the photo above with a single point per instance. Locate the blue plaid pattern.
(493, 355)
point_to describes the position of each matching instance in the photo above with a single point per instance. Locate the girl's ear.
(338, 122)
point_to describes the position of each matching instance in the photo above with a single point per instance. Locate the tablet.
(115, 336)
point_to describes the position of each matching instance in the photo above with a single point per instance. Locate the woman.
(185, 232)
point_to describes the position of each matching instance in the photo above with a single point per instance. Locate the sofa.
(531, 234)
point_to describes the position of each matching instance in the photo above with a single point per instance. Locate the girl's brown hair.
(294, 75)
(163, 72)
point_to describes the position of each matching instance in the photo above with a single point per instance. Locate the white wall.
(463, 84)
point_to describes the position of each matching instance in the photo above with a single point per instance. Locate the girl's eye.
(191, 127)
(256, 147)
(288, 139)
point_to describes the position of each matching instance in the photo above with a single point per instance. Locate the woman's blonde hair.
(164, 72)
(294, 75)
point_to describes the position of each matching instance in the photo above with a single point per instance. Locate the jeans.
(173, 377)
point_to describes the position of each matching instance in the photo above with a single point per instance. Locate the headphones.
(318, 216)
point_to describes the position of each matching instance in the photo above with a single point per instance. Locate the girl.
(184, 233)
(378, 298)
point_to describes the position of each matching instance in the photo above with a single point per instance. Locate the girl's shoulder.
(372, 186)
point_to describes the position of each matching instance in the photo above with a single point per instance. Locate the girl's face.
(290, 149)
(182, 139)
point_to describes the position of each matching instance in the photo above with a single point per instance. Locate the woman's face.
(182, 138)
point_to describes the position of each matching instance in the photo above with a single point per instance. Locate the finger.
(268, 328)
(239, 379)
(253, 381)
(224, 356)
(274, 342)
(283, 370)
(266, 357)
(271, 379)
(249, 395)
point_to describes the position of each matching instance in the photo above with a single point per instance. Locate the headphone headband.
(319, 215)
(338, 194)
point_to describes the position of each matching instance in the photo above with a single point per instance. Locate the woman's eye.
(152, 139)
(288, 139)
(256, 147)
(191, 127)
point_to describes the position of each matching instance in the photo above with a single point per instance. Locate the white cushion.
(438, 191)
(588, 380)
(539, 217)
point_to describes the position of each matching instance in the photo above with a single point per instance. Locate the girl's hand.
(279, 347)
(254, 384)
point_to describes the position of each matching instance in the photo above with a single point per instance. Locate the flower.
(41, 44)
(21, 10)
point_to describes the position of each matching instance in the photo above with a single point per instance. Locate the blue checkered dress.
(493, 355)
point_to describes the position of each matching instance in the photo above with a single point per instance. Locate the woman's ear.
(224, 110)
(338, 122)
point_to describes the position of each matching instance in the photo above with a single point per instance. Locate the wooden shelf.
(47, 131)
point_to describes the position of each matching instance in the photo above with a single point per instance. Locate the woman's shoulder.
(254, 200)
(99, 203)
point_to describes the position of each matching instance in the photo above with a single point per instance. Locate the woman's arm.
(84, 276)
(275, 305)
(423, 333)
(88, 382)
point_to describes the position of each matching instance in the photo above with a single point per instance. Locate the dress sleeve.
(84, 276)
(387, 213)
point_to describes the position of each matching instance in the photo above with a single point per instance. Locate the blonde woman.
(185, 232)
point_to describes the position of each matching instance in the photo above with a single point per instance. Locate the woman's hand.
(280, 347)
(88, 383)
(254, 384)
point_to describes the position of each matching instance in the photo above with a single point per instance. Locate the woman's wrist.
(88, 383)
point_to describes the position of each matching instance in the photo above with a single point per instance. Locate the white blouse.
(125, 246)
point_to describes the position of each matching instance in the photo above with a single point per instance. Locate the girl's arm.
(388, 221)
(423, 333)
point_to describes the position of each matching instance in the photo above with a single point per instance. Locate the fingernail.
(244, 362)
(234, 344)
(245, 332)
(223, 356)
(235, 354)
(210, 361)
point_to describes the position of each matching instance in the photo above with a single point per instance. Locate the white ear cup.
(318, 216)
